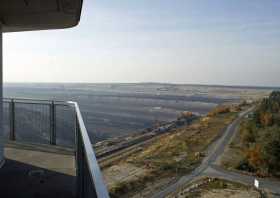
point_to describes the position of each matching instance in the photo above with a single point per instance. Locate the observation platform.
(48, 152)
(38, 171)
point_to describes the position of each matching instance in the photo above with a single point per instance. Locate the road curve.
(213, 153)
(265, 183)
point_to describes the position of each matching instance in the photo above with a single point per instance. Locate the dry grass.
(172, 154)
(233, 154)
(182, 150)
(218, 188)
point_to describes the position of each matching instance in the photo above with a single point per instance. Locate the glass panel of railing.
(65, 125)
(6, 120)
(32, 122)
(39, 121)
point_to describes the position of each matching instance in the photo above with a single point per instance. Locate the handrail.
(38, 101)
(94, 170)
(89, 177)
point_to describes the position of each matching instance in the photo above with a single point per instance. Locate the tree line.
(260, 137)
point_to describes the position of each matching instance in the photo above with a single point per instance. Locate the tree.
(254, 156)
(271, 149)
(261, 136)
(248, 133)
(266, 119)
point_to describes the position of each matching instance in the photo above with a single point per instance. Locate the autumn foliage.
(260, 136)
(266, 119)
(254, 156)
(219, 110)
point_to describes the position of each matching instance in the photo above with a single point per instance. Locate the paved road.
(209, 168)
(265, 183)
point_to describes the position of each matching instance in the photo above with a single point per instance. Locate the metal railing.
(88, 170)
(38, 121)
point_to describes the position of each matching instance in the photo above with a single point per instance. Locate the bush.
(248, 133)
(271, 149)
(219, 110)
(255, 157)
(245, 166)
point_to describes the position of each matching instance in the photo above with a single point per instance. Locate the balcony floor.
(37, 172)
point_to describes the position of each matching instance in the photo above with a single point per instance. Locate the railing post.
(12, 120)
(52, 124)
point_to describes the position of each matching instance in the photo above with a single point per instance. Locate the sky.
(233, 42)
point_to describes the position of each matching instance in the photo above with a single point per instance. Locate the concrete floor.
(37, 172)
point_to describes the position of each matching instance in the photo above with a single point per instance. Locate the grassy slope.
(181, 150)
(174, 154)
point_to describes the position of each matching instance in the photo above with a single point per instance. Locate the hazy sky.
(178, 41)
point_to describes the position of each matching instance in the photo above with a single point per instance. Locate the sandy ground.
(230, 194)
(122, 172)
(153, 187)
(125, 172)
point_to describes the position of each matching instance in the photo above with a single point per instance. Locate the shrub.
(254, 156)
(248, 133)
(219, 110)
(245, 166)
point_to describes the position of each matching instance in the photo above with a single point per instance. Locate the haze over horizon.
(19, 84)
(186, 42)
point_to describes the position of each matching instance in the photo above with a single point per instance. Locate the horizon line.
(159, 83)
